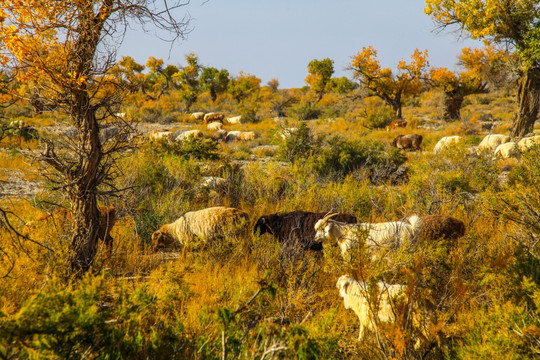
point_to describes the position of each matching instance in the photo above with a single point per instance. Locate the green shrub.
(306, 111)
(299, 144)
(342, 157)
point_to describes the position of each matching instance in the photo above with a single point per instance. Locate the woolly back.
(215, 221)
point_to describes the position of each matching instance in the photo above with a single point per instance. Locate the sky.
(278, 38)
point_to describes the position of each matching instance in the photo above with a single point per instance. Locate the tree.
(383, 83)
(514, 24)
(243, 86)
(188, 80)
(128, 71)
(66, 49)
(160, 79)
(319, 75)
(215, 81)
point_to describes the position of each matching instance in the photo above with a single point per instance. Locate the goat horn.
(329, 215)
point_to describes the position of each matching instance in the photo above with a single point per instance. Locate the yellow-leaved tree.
(482, 69)
(511, 23)
(382, 82)
(66, 48)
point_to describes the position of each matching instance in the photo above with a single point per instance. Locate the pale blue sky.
(278, 38)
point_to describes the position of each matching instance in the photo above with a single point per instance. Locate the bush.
(306, 111)
(342, 157)
(299, 144)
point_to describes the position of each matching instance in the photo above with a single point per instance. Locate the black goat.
(297, 227)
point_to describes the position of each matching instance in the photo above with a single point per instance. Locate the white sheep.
(190, 134)
(446, 142)
(197, 115)
(528, 142)
(286, 133)
(207, 225)
(356, 296)
(234, 119)
(246, 136)
(216, 125)
(161, 135)
(379, 235)
(219, 135)
(490, 142)
(232, 135)
(507, 150)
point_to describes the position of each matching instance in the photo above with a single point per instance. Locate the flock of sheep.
(214, 121)
(309, 230)
(498, 145)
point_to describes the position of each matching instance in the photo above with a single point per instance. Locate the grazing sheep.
(436, 227)
(396, 123)
(507, 150)
(234, 120)
(216, 125)
(231, 136)
(296, 227)
(528, 142)
(161, 135)
(490, 142)
(207, 225)
(211, 117)
(212, 181)
(410, 141)
(245, 136)
(379, 235)
(219, 135)
(356, 296)
(446, 142)
(190, 134)
(197, 115)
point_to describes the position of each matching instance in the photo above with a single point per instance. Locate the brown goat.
(436, 227)
(396, 124)
(410, 141)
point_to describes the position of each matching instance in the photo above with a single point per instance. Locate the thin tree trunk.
(452, 106)
(528, 100)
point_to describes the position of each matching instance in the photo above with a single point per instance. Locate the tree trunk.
(83, 194)
(528, 100)
(452, 106)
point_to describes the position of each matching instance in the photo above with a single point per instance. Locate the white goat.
(356, 296)
(382, 235)
(207, 224)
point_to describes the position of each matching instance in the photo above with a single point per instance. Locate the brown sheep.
(396, 123)
(436, 227)
(212, 117)
(410, 141)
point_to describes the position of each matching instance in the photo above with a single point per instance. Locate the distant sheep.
(356, 296)
(208, 225)
(528, 142)
(296, 227)
(379, 235)
(216, 125)
(398, 123)
(219, 135)
(197, 115)
(410, 141)
(231, 136)
(212, 181)
(190, 134)
(286, 133)
(234, 120)
(490, 142)
(211, 117)
(507, 150)
(161, 135)
(245, 136)
(435, 227)
(446, 142)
